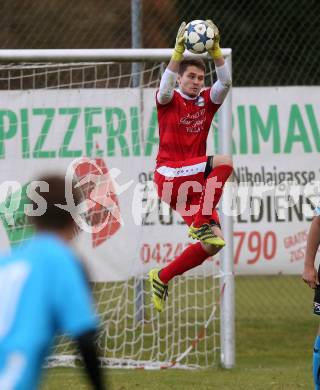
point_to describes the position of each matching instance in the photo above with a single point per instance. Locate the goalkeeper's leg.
(190, 258)
(218, 170)
(197, 253)
(316, 362)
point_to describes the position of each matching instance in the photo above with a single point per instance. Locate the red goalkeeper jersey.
(183, 126)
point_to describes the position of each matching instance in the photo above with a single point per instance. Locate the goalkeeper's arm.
(169, 77)
(221, 87)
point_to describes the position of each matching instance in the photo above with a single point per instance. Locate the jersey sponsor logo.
(194, 122)
(193, 129)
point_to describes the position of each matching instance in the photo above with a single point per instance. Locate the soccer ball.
(198, 36)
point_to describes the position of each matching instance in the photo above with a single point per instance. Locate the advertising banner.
(107, 139)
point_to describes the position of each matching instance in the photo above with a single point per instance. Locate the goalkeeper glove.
(179, 46)
(215, 52)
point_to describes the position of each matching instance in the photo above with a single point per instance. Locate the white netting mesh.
(160, 341)
(44, 130)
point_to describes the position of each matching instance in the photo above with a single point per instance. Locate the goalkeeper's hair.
(197, 62)
(55, 218)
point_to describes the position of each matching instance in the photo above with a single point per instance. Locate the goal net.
(97, 123)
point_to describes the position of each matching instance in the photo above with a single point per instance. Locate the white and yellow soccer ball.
(198, 36)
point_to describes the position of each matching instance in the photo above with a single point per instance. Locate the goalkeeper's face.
(191, 81)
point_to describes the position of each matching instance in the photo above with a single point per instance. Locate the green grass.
(274, 336)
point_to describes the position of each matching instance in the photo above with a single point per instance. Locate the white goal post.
(20, 60)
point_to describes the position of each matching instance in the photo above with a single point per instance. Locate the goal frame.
(227, 316)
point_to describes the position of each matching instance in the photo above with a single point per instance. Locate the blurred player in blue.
(44, 292)
(311, 277)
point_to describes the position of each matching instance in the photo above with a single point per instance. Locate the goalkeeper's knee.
(316, 363)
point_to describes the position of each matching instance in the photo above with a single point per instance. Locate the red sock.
(213, 185)
(191, 257)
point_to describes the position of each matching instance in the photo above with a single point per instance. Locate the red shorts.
(180, 184)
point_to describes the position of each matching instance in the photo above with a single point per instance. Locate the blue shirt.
(43, 292)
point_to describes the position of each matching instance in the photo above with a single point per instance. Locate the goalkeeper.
(311, 277)
(190, 181)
